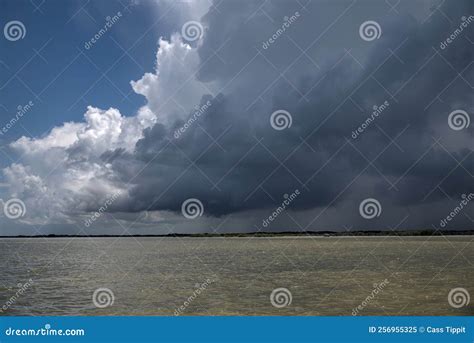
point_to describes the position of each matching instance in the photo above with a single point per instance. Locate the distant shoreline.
(273, 234)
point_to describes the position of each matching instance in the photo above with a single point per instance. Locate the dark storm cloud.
(233, 160)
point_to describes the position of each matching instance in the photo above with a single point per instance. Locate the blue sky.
(51, 67)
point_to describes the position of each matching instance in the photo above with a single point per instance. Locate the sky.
(157, 117)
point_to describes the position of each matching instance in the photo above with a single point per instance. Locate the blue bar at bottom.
(237, 329)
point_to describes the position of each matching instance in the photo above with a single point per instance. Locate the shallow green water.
(155, 276)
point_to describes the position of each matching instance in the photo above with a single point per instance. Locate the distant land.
(276, 234)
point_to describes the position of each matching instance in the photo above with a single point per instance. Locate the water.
(155, 276)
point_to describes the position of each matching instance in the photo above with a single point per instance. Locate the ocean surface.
(235, 276)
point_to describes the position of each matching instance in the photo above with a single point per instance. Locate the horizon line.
(266, 233)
